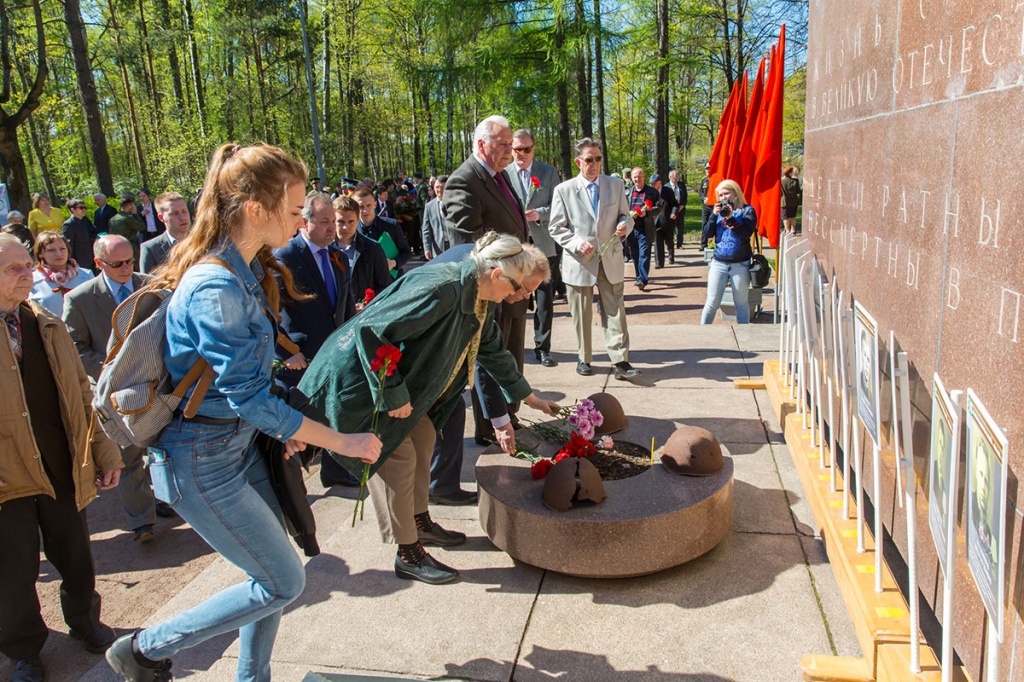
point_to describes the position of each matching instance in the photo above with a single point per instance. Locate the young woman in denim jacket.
(208, 468)
(732, 229)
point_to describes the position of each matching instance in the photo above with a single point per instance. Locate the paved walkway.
(747, 610)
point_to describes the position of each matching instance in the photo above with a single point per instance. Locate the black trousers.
(663, 237)
(65, 535)
(681, 226)
(704, 213)
(511, 320)
(544, 314)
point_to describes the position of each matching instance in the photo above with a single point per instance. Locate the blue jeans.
(719, 274)
(215, 478)
(640, 251)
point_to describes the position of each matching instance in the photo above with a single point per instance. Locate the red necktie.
(499, 178)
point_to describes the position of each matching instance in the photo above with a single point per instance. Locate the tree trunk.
(326, 59)
(44, 167)
(197, 78)
(417, 149)
(136, 129)
(229, 111)
(260, 78)
(583, 70)
(154, 91)
(314, 119)
(562, 93)
(163, 11)
(661, 97)
(90, 100)
(599, 73)
(450, 117)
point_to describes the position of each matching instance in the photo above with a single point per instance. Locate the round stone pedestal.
(648, 523)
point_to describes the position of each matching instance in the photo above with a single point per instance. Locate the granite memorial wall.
(913, 199)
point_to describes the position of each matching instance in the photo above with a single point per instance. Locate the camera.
(725, 208)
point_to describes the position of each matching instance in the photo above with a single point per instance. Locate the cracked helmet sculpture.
(562, 490)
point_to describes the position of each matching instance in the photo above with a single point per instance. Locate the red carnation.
(562, 454)
(648, 204)
(535, 181)
(386, 360)
(368, 296)
(541, 468)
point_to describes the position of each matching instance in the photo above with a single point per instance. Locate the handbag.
(760, 268)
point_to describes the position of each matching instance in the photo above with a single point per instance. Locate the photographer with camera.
(731, 224)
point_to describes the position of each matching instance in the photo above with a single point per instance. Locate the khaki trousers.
(613, 318)
(400, 487)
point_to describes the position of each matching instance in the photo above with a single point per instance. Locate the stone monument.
(912, 199)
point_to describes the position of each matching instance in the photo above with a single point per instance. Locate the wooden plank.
(755, 384)
(835, 669)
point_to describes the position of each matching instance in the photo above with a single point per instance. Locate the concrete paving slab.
(757, 337)
(760, 504)
(725, 616)
(830, 599)
(803, 517)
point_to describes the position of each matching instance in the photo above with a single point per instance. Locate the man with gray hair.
(88, 310)
(479, 198)
(104, 212)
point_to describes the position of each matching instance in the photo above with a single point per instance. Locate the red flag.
(718, 153)
(768, 176)
(733, 163)
(748, 145)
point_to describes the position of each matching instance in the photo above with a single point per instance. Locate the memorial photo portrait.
(986, 505)
(865, 334)
(942, 473)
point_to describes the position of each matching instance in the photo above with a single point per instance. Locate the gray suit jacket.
(539, 200)
(573, 222)
(154, 252)
(88, 309)
(435, 231)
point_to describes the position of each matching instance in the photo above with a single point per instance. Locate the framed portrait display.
(942, 471)
(986, 506)
(866, 380)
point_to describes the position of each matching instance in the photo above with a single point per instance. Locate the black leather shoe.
(584, 369)
(144, 534)
(624, 370)
(165, 511)
(459, 498)
(545, 359)
(429, 570)
(97, 641)
(347, 480)
(29, 670)
(439, 537)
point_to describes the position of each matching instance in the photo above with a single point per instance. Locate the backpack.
(133, 398)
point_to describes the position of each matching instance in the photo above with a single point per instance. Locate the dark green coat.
(429, 313)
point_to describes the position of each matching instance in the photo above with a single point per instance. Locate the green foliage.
(398, 73)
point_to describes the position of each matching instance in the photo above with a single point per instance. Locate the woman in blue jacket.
(208, 467)
(731, 223)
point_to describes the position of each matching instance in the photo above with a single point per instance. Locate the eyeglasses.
(117, 263)
(516, 286)
(74, 207)
(591, 159)
(523, 150)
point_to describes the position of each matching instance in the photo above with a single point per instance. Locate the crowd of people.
(286, 292)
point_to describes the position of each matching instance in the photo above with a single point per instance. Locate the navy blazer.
(308, 323)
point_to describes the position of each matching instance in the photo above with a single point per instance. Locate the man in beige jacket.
(52, 461)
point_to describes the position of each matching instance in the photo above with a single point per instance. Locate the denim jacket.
(220, 315)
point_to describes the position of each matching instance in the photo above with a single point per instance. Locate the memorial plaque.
(912, 194)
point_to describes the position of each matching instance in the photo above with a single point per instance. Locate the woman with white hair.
(442, 319)
(731, 223)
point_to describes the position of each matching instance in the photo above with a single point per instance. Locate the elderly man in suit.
(589, 217)
(479, 198)
(321, 270)
(87, 312)
(534, 183)
(173, 212)
(435, 230)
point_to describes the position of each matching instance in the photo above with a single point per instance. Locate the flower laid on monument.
(383, 365)
(368, 296)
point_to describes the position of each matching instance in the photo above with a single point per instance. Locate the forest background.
(114, 95)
